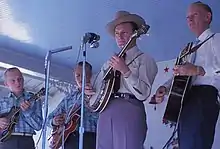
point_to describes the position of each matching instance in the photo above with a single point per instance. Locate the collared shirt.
(208, 56)
(29, 120)
(143, 72)
(65, 106)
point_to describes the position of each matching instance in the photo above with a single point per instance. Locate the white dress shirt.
(208, 57)
(143, 72)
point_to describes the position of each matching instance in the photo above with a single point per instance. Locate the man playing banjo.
(122, 125)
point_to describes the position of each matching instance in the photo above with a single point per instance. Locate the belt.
(128, 97)
(123, 95)
(21, 134)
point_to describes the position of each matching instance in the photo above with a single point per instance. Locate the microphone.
(91, 37)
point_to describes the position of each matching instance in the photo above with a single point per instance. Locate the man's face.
(123, 33)
(14, 81)
(198, 18)
(78, 75)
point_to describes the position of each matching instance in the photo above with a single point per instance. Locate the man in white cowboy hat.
(122, 125)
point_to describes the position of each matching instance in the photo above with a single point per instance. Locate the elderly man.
(200, 112)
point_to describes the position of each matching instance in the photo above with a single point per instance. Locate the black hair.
(87, 64)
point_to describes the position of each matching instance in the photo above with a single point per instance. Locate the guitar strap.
(135, 58)
(130, 63)
(199, 45)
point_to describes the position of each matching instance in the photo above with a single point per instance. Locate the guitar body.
(56, 136)
(178, 91)
(176, 96)
(100, 100)
(13, 117)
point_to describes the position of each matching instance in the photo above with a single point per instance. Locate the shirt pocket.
(134, 67)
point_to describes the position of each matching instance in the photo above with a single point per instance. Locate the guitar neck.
(75, 112)
(120, 54)
(33, 98)
(37, 95)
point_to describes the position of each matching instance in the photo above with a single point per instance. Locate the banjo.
(99, 101)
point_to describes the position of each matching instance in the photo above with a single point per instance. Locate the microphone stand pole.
(81, 128)
(93, 44)
(47, 74)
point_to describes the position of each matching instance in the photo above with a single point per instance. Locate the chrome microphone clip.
(94, 44)
(92, 39)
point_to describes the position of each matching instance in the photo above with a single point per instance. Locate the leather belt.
(123, 95)
(21, 134)
(128, 97)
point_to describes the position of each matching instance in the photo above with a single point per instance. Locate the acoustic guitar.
(180, 87)
(55, 140)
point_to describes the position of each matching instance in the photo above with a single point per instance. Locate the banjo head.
(99, 101)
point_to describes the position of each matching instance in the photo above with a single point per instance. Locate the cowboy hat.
(123, 17)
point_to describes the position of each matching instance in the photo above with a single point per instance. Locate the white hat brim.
(128, 18)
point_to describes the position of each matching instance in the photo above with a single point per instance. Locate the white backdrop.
(158, 133)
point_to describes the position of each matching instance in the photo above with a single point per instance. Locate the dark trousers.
(18, 142)
(198, 118)
(89, 141)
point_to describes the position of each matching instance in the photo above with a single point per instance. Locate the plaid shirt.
(29, 120)
(65, 106)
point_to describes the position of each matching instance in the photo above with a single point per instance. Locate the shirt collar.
(207, 33)
(11, 94)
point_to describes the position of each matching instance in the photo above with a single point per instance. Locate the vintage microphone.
(92, 39)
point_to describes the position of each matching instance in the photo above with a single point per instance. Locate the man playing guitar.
(72, 102)
(200, 111)
(30, 117)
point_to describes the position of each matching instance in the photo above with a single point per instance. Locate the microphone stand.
(93, 44)
(47, 74)
(81, 128)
